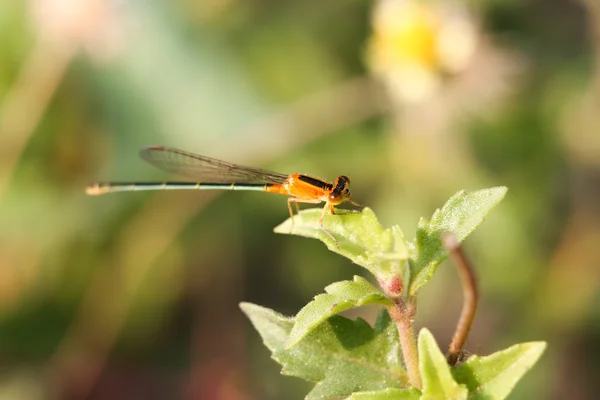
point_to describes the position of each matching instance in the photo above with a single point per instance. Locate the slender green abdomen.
(108, 187)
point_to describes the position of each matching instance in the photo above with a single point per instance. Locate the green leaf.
(388, 394)
(340, 296)
(342, 355)
(461, 214)
(358, 236)
(494, 376)
(438, 382)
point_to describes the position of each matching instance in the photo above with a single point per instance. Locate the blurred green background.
(136, 295)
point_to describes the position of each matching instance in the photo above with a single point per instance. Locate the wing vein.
(206, 169)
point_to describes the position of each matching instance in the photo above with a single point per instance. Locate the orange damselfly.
(211, 173)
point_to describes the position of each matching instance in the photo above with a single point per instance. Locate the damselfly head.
(341, 191)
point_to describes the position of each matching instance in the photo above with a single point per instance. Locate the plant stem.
(33, 89)
(469, 285)
(402, 314)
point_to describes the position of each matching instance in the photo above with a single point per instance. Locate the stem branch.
(469, 285)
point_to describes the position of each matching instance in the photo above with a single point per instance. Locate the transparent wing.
(206, 169)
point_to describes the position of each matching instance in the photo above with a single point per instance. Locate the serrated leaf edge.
(424, 274)
(537, 348)
(331, 291)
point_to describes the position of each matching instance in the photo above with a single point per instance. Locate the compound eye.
(346, 192)
(334, 197)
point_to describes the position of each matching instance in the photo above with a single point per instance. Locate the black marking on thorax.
(342, 182)
(315, 182)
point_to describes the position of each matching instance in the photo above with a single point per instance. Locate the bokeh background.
(135, 295)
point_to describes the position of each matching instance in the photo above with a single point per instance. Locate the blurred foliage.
(135, 295)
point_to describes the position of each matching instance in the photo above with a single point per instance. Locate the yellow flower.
(414, 43)
(404, 32)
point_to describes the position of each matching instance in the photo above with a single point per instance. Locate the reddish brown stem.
(469, 285)
(402, 314)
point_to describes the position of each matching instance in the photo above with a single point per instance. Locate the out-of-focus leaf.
(388, 394)
(342, 355)
(340, 296)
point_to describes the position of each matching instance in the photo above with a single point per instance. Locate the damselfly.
(211, 173)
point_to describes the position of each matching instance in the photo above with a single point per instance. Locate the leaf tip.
(245, 306)
(426, 333)
(500, 191)
(537, 348)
